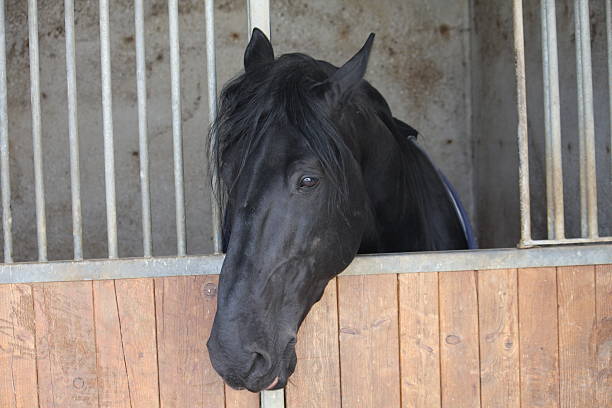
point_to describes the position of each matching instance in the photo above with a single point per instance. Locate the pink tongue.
(273, 384)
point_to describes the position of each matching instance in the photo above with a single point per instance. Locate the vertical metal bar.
(141, 84)
(550, 209)
(39, 185)
(523, 140)
(211, 72)
(580, 101)
(609, 35)
(5, 177)
(588, 176)
(554, 168)
(107, 119)
(258, 13)
(73, 131)
(177, 137)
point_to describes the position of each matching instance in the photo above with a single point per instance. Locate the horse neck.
(410, 204)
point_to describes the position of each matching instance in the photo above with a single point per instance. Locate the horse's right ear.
(348, 76)
(258, 51)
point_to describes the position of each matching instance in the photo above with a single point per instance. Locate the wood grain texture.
(185, 308)
(499, 342)
(136, 305)
(112, 371)
(66, 346)
(419, 340)
(577, 347)
(460, 370)
(18, 383)
(369, 349)
(603, 289)
(538, 334)
(316, 381)
(240, 399)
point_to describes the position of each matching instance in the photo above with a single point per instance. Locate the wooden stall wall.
(495, 338)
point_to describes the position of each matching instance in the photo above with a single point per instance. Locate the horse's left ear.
(352, 72)
(258, 51)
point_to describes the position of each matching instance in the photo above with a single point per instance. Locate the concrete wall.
(420, 63)
(494, 120)
(445, 67)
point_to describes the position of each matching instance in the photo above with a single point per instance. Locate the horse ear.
(258, 51)
(352, 72)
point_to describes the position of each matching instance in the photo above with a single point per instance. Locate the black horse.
(315, 169)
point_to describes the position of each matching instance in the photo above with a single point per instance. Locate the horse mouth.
(271, 386)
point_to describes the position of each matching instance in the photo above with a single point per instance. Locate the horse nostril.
(262, 363)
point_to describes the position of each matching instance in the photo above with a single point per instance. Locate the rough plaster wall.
(419, 63)
(494, 105)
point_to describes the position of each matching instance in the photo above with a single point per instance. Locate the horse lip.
(269, 387)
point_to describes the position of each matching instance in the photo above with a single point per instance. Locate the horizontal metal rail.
(446, 261)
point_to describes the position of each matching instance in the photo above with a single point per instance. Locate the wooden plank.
(499, 342)
(136, 303)
(65, 343)
(369, 344)
(112, 372)
(603, 289)
(419, 340)
(240, 399)
(185, 307)
(576, 299)
(316, 381)
(18, 385)
(459, 360)
(538, 337)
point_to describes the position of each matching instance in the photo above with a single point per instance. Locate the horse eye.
(308, 181)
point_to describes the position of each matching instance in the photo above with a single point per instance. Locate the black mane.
(280, 93)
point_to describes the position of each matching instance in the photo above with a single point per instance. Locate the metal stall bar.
(107, 119)
(39, 184)
(211, 72)
(177, 137)
(523, 139)
(141, 85)
(609, 35)
(5, 178)
(588, 176)
(374, 264)
(73, 131)
(554, 169)
(258, 14)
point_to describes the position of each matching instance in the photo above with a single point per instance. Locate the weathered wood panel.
(185, 308)
(18, 383)
(459, 359)
(240, 399)
(532, 337)
(66, 345)
(538, 337)
(499, 342)
(419, 340)
(577, 343)
(603, 370)
(316, 381)
(136, 306)
(113, 389)
(369, 349)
